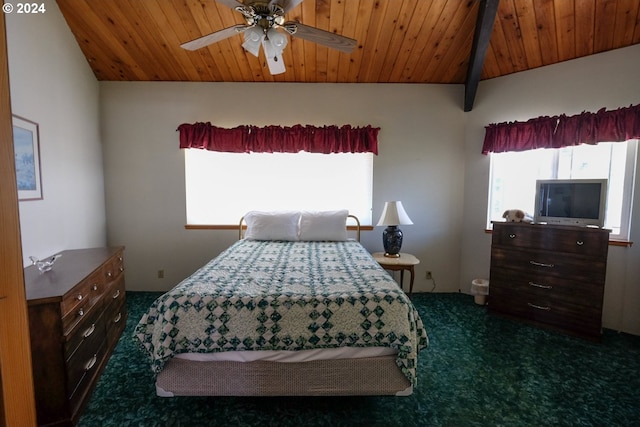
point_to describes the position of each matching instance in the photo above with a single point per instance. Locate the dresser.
(548, 275)
(76, 315)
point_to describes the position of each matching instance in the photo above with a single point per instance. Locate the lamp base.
(392, 241)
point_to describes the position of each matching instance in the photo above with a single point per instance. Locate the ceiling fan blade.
(230, 3)
(215, 37)
(287, 5)
(316, 35)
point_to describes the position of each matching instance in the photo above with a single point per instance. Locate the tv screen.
(571, 202)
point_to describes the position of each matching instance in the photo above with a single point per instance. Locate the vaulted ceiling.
(398, 41)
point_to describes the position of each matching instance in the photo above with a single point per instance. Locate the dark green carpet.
(477, 370)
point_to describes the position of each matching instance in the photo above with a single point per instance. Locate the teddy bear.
(517, 215)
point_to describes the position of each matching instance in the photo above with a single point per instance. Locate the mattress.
(284, 296)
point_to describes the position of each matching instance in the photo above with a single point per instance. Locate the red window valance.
(279, 139)
(617, 125)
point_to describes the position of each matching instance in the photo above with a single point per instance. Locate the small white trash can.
(480, 290)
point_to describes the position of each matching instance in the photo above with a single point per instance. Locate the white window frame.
(627, 193)
(222, 187)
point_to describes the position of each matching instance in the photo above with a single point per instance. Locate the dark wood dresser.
(76, 315)
(548, 275)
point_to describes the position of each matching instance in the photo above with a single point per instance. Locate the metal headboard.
(242, 227)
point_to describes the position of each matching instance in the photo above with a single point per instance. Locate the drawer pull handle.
(94, 287)
(579, 243)
(540, 264)
(118, 317)
(91, 363)
(539, 307)
(120, 259)
(117, 294)
(79, 297)
(512, 236)
(81, 312)
(109, 274)
(538, 285)
(89, 331)
(121, 269)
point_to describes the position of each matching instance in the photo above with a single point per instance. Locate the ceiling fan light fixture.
(278, 40)
(252, 40)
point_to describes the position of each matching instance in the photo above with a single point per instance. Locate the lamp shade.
(394, 214)
(252, 40)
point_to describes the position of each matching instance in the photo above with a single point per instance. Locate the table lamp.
(392, 216)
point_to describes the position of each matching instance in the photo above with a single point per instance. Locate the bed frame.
(339, 377)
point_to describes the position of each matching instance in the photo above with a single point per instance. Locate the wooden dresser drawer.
(78, 297)
(115, 267)
(83, 359)
(558, 289)
(580, 240)
(89, 367)
(559, 314)
(115, 293)
(91, 325)
(549, 263)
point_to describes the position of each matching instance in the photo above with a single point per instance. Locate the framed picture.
(26, 146)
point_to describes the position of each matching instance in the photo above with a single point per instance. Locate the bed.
(292, 308)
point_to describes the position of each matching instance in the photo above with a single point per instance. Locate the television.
(580, 202)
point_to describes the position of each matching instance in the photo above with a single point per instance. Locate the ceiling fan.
(264, 21)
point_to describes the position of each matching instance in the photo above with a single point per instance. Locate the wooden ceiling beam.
(481, 37)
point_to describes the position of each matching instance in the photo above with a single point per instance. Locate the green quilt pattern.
(284, 296)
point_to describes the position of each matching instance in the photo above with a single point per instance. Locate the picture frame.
(26, 146)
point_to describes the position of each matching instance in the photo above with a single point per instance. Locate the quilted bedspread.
(261, 295)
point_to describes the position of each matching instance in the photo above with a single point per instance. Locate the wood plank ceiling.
(399, 41)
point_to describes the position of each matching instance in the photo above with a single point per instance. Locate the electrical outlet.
(429, 275)
(160, 274)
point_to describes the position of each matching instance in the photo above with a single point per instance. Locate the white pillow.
(326, 225)
(272, 225)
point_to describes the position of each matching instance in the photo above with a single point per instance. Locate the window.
(513, 177)
(222, 187)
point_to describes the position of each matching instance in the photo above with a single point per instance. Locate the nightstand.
(403, 262)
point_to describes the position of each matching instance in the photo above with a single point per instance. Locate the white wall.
(609, 80)
(420, 163)
(52, 85)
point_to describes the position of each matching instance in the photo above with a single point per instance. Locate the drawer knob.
(538, 285)
(109, 274)
(91, 362)
(117, 294)
(539, 307)
(89, 331)
(81, 312)
(121, 269)
(79, 297)
(540, 264)
(579, 243)
(120, 259)
(118, 317)
(94, 287)
(512, 236)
